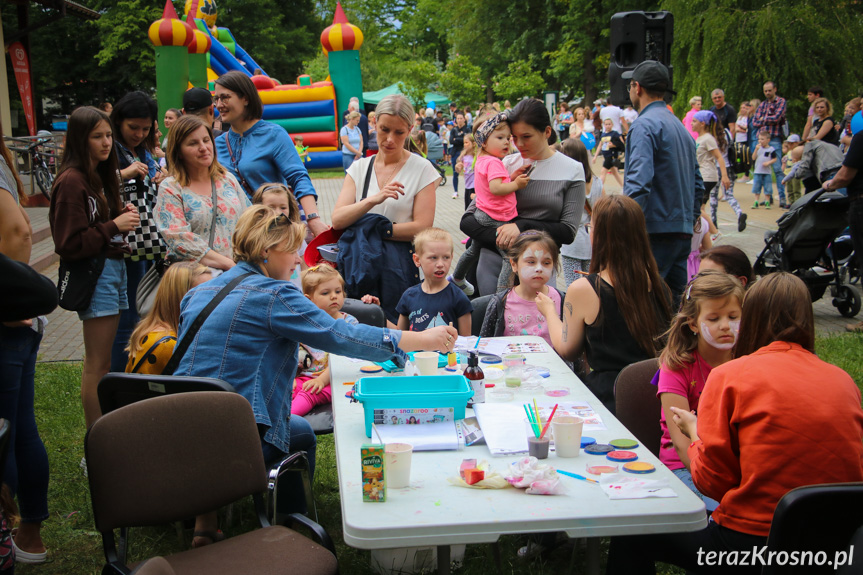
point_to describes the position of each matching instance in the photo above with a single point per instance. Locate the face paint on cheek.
(532, 271)
(705, 333)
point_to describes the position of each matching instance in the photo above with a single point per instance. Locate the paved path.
(63, 340)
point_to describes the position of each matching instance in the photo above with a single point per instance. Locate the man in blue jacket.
(662, 173)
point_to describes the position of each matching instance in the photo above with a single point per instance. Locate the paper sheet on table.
(502, 426)
(592, 420)
(500, 346)
(441, 436)
(624, 486)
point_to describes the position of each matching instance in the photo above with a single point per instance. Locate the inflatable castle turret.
(171, 38)
(342, 41)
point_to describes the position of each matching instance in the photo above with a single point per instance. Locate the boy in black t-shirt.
(435, 301)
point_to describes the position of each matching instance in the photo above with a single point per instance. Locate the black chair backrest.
(480, 305)
(5, 432)
(636, 404)
(171, 457)
(812, 519)
(366, 313)
(116, 389)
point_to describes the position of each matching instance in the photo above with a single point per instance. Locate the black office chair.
(321, 416)
(636, 403)
(817, 518)
(480, 305)
(118, 389)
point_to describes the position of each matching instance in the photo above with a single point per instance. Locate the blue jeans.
(454, 161)
(129, 317)
(671, 252)
(776, 144)
(26, 470)
(685, 476)
(762, 181)
(347, 160)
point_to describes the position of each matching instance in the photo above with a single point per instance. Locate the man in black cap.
(199, 102)
(662, 172)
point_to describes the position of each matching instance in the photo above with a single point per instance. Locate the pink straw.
(547, 423)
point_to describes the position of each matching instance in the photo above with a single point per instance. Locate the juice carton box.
(374, 484)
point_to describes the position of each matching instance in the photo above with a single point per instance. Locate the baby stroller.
(800, 246)
(436, 155)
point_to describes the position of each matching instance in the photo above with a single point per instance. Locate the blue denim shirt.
(250, 340)
(662, 172)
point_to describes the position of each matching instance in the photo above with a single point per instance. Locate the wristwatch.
(310, 217)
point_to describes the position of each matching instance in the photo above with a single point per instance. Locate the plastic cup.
(398, 466)
(513, 369)
(567, 435)
(426, 362)
(537, 447)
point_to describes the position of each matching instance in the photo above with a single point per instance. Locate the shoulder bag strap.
(150, 351)
(184, 344)
(236, 164)
(215, 213)
(368, 179)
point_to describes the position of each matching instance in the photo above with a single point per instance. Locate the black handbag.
(77, 282)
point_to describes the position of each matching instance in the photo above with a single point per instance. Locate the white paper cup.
(398, 466)
(426, 362)
(567, 435)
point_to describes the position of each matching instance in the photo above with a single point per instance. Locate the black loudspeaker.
(636, 37)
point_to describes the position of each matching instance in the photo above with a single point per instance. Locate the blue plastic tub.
(403, 392)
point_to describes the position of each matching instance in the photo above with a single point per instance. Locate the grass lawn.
(76, 547)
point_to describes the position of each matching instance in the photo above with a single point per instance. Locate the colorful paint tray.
(628, 444)
(585, 441)
(638, 467)
(622, 456)
(598, 449)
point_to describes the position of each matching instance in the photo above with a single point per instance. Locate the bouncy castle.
(199, 52)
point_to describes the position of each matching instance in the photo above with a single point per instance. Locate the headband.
(489, 126)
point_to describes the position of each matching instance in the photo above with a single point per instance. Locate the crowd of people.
(237, 208)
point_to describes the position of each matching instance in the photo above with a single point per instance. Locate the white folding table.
(433, 512)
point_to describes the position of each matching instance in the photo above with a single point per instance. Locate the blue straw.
(577, 476)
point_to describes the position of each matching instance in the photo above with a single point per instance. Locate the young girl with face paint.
(533, 258)
(701, 337)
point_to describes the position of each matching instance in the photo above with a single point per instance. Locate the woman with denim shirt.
(250, 340)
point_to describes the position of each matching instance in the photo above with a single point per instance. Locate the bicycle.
(41, 171)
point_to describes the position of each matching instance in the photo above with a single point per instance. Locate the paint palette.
(628, 444)
(371, 369)
(598, 449)
(585, 441)
(638, 467)
(622, 456)
(600, 469)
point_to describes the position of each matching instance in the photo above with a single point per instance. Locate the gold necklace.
(394, 172)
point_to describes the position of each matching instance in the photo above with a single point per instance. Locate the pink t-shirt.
(523, 318)
(688, 382)
(500, 208)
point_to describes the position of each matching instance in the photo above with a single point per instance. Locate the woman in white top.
(402, 185)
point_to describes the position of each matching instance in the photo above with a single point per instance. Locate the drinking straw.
(536, 412)
(375, 427)
(547, 423)
(577, 476)
(529, 419)
(476, 345)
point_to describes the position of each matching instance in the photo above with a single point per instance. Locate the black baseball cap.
(196, 99)
(652, 75)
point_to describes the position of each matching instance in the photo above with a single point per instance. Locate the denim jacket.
(662, 172)
(250, 341)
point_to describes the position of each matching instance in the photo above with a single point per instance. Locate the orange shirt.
(769, 422)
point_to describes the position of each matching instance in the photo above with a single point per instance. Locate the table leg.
(443, 567)
(495, 553)
(592, 567)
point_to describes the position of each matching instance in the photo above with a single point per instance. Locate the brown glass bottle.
(473, 373)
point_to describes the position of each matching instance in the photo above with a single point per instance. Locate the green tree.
(125, 49)
(462, 81)
(418, 79)
(519, 81)
(738, 45)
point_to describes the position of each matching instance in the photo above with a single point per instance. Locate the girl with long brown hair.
(88, 220)
(616, 314)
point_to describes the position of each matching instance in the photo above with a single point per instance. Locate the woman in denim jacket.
(250, 339)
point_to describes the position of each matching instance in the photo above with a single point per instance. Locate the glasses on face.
(221, 98)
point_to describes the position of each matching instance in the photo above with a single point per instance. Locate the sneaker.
(750, 182)
(783, 205)
(463, 285)
(455, 195)
(715, 237)
(741, 223)
(531, 550)
(755, 205)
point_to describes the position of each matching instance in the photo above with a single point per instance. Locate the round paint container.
(499, 395)
(622, 456)
(598, 449)
(490, 359)
(638, 467)
(557, 391)
(627, 444)
(600, 469)
(585, 441)
(371, 369)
